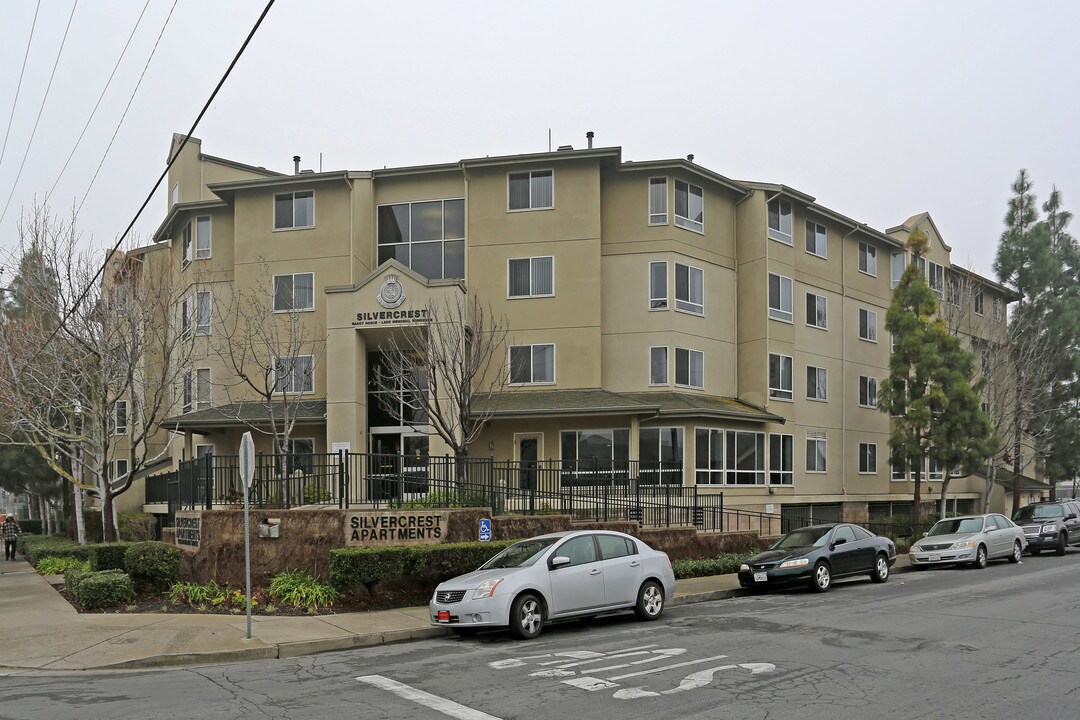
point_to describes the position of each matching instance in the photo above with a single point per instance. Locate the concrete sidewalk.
(39, 630)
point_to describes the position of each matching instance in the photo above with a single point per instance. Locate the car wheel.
(822, 579)
(881, 569)
(464, 632)
(1062, 541)
(526, 617)
(1017, 550)
(650, 601)
(980, 557)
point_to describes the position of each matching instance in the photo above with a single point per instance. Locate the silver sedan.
(554, 577)
(974, 539)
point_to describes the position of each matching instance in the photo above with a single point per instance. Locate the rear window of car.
(613, 546)
(860, 533)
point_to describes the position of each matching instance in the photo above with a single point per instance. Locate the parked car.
(1050, 525)
(974, 539)
(560, 576)
(818, 554)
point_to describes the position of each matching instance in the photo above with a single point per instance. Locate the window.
(817, 382)
(660, 451)
(997, 308)
(595, 450)
(428, 237)
(202, 389)
(531, 190)
(817, 311)
(936, 278)
(658, 199)
(689, 206)
(580, 550)
(897, 263)
(294, 292)
(815, 452)
(868, 259)
(729, 457)
(935, 471)
(867, 391)
(658, 286)
(780, 220)
(531, 277)
(185, 256)
(817, 239)
(953, 289)
(613, 546)
(202, 237)
(294, 210)
(300, 455)
(203, 310)
(689, 289)
(867, 325)
(532, 363)
(779, 376)
(780, 297)
(689, 368)
(120, 416)
(294, 374)
(658, 366)
(119, 469)
(899, 472)
(868, 458)
(174, 194)
(185, 390)
(187, 315)
(979, 302)
(844, 533)
(781, 459)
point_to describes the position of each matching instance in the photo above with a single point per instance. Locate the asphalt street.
(941, 643)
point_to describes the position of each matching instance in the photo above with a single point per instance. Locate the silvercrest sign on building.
(395, 527)
(391, 295)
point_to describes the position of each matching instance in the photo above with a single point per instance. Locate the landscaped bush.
(443, 499)
(351, 568)
(297, 588)
(92, 526)
(104, 589)
(36, 547)
(137, 526)
(72, 578)
(153, 566)
(722, 564)
(52, 565)
(109, 556)
(313, 494)
(201, 596)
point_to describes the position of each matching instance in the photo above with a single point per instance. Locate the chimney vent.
(589, 135)
(296, 164)
(565, 147)
(690, 157)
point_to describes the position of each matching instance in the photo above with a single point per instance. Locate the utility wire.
(150, 195)
(100, 98)
(40, 110)
(127, 107)
(19, 86)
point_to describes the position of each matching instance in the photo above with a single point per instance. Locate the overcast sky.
(879, 110)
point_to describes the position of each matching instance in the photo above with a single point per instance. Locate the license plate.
(929, 558)
(761, 577)
(444, 616)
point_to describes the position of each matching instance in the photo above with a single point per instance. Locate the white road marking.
(591, 684)
(660, 655)
(758, 668)
(582, 655)
(562, 671)
(515, 662)
(439, 704)
(652, 671)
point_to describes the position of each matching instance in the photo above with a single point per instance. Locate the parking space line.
(439, 704)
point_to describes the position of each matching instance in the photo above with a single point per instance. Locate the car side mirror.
(559, 561)
(839, 541)
(925, 534)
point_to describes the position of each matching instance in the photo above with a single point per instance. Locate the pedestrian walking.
(10, 531)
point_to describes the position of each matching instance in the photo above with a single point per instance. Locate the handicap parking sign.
(485, 529)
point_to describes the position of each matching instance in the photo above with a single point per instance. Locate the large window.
(660, 451)
(867, 391)
(393, 407)
(531, 277)
(294, 210)
(781, 459)
(185, 245)
(658, 295)
(817, 311)
(729, 457)
(979, 302)
(187, 315)
(689, 206)
(689, 368)
(185, 392)
(817, 383)
(867, 325)
(689, 289)
(658, 366)
(294, 374)
(120, 417)
(817, 239)
(204, 309)
(816, 454)
(935, 277)
(202, 237)
(602, 450)
(531, 190)
(428, 237)
(867, 458)
(780, 220)
(897, 263)
(779, 376)
(780, 297)
(868, 259)
(532, 364)
(294, 292)
(658, 201)
(203, 389)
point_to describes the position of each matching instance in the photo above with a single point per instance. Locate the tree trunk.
(108, 528)
(944, 489)
(916, 510)
(80, 522)
(991, 476)
(1018, 465)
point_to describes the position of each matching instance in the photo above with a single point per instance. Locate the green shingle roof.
(522, 403)
(246, 413)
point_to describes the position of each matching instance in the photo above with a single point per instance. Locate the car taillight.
(668, 559)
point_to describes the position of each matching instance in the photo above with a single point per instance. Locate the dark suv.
(1050, 525)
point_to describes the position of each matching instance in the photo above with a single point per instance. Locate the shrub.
(72, 578)
(36, 547)
(92, 525)
(153, 566)
(53, 565)
(351, 568)
(722, 564)
(104, 589)
(137, 526)
(109, 556)
(313, 495)
(192, 593)
(30, 527)
(297, 588)
(443, 499)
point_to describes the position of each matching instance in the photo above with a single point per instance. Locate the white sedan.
(560, 576)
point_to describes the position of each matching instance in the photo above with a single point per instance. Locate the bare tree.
(441, 378)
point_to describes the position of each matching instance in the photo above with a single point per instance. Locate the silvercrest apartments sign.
(374, 528)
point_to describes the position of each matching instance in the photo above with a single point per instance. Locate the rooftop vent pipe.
(690, 157)
(296, 164)
(589, 136)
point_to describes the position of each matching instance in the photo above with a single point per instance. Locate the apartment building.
(657, 311)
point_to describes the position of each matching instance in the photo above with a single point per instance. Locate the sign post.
(247, 473)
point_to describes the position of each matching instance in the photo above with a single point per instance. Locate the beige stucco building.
(657, 311)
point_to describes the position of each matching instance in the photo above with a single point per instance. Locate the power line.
(161, 178)
(100, 98)
(33, 132)
(19, 86)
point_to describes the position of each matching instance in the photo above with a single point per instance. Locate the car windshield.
(957, 525)
(804, 537)
(520, 554)
(1038, 512)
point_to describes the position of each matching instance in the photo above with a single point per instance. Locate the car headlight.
(963, 545)
(744, 567)
(487, 588)
(916, 548)
(800, 562)
(1050, 527)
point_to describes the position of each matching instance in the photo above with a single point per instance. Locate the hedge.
(351, 568)
(35, 547)
(722, 564)
(137, 526)
(30, 527)
(103, 589)
(153, 566)
(109, 556)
